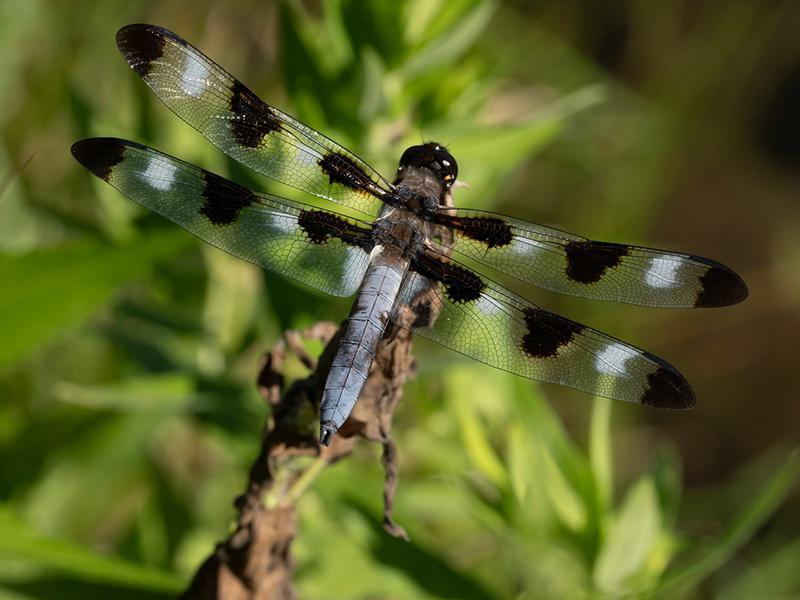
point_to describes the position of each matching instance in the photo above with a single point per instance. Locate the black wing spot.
(460, 284)
(720, 287)
(588, 261)
(342, 169)
(423, 314)
(547, 333)
(253, 118)
(321, 225)
(141, 45)
(667, 388)
(492, 231)
(223, 199)
(99, 155)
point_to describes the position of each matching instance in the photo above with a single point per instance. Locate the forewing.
(457, 308)
(242, 125)
(321, 249)
(569, 264)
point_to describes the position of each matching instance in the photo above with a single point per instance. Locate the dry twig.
(256, 561)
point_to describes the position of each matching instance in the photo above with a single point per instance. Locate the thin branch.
(255, 562)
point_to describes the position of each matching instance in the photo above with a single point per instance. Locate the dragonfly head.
(435, 158)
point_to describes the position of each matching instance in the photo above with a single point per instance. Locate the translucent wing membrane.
(243, 126)
(321, 249)
(453, 306)
(570, 264)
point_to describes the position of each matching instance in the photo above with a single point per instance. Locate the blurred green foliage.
(129, 413)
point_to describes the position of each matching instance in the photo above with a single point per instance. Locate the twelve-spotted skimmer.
(403, 257)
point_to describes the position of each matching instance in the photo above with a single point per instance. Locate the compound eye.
(414, 156)
(449, 168)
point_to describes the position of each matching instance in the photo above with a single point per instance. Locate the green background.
(128, 350)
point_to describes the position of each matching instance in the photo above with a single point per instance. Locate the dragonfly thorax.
(418, 203)
(401, 230)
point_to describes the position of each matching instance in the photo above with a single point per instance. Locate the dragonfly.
(407, 252)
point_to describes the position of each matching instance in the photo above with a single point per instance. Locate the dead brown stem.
(255, 562)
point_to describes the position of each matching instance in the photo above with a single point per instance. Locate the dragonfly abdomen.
(364, 330)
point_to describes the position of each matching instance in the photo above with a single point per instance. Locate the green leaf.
(20, 542)
(600, 451)
(49, 291)
(774, 576)
(765, 502)
(667, 474)
(233, 290)
(473, 431)
(163, 393)
(425, 568)
(559, 470)
(631, 539)
(448, 48)
(565, 499)
(519, 461)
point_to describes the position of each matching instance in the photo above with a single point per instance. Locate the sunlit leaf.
(447, 48)
(464, 388)
(166, 393)
(600, 451)
(519, 461)
(566, 501)
(630, 539)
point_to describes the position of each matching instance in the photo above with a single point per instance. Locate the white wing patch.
(305, 155)
(487, 306)
(524, 246)
(159, 174)
(284, 223)
(194, 79)
(662, 272)
(611, 361)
